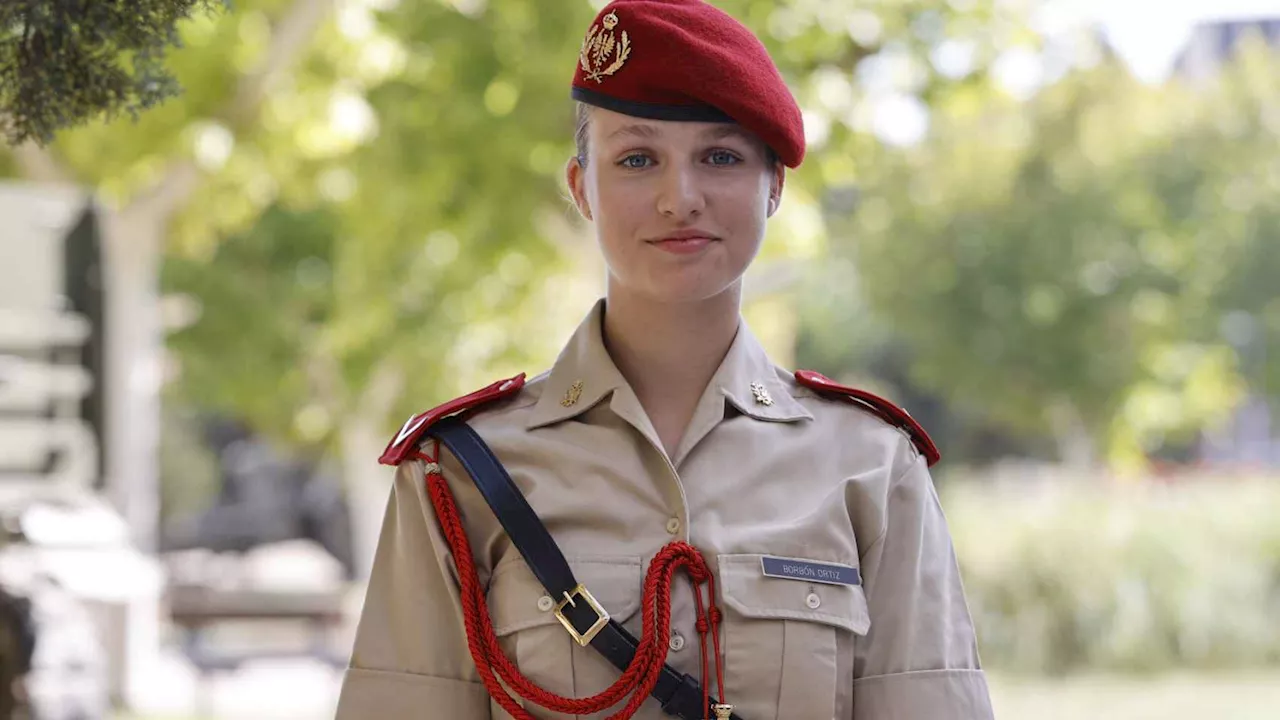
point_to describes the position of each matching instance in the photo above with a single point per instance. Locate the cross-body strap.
(588, 622)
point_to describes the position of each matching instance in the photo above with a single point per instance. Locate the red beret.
(686, 60)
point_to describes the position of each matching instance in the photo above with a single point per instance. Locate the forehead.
(609, 125)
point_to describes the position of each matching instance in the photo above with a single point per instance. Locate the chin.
(685, 293)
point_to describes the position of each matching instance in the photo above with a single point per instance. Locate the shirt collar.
(749, 380)
(584, 375)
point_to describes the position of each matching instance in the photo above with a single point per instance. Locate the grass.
(1251, 695)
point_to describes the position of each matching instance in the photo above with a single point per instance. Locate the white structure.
(51, 476)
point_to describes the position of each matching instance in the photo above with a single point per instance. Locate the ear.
(777, 180)
(575, 174)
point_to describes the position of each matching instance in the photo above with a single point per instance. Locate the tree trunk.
(362, 437)
(367, 483)
(132, 241)
(1076, 447)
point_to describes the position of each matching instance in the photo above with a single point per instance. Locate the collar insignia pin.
(762, 394)
(572, 394)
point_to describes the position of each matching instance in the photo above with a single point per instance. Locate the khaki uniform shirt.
(806, 477)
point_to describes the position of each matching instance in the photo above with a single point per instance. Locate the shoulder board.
(878, 406)
(406, 441)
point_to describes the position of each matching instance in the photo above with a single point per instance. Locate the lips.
(684, 243)
(682, 237)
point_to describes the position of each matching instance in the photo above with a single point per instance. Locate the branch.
(325, 382)
(168, 194)
(384, 387)
(289, 39)
(39, 164)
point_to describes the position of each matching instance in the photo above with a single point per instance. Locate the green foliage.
(1076, 575)
(121, 156)
(1065, 267)
(8, 168)
(247, 352)
(65, 62)
(325, 256)
(1236, 215)
(190, 475)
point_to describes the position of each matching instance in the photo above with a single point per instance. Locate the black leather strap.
(680, 694)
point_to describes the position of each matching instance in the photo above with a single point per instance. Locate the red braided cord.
(701, 626)
(715, 637)
(641, 675)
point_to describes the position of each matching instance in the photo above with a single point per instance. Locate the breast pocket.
(788, 644)
(524, 620)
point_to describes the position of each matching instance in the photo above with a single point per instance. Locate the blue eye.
(635, 162)
(723, 158)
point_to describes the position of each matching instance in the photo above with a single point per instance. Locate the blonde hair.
(583, 115)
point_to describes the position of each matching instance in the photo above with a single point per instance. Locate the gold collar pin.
(572, 395)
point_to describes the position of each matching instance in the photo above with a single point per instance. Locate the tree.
(1063, 267)
(1237, 144)
(64, 63)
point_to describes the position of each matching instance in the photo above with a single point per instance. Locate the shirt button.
(813, 601)
(545, 603)
(677, 642)
(673, 526)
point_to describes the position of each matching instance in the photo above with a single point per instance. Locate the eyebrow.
(641, 131)
(718, 132)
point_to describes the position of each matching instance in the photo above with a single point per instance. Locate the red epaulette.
(878, 406)
(406, 441)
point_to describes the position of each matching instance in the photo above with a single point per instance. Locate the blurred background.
(1051, 229)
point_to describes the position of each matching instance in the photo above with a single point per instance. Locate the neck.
(668, 352)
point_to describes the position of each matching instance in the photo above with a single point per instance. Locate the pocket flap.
(516, 597)
(753, 594)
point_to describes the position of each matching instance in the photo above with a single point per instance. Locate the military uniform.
(770, 468)
(803, 509)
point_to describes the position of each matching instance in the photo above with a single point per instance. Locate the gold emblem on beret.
(600, 45)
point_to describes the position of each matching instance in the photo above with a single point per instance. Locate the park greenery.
(1096, 266)
(1067, 574)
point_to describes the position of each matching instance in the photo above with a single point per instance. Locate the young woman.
(773, 538)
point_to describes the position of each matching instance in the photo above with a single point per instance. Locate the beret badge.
(601, 46)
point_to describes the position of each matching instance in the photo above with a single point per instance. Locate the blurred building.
(50, 360)
(1214, 43)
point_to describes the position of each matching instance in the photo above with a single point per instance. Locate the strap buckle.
(602, 616)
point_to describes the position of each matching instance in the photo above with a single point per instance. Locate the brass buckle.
(723, 711)
(583, 639)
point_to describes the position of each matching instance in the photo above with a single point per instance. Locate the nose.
(681, 196)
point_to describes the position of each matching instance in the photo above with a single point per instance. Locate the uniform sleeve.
(410, 658)
(919, 660)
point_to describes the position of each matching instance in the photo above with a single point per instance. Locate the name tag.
(809, 571)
